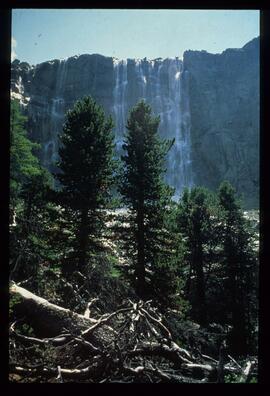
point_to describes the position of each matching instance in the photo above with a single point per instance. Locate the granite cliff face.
(224, 111)
(208, 103)
(50, 89)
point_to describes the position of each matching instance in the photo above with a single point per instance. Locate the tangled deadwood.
(131, 344)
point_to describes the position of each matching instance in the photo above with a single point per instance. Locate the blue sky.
(40, 35)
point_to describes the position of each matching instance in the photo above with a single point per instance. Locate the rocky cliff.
(224, 111)
(208, 103)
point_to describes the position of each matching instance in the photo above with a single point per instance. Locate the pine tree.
(146, 196)
(35, 192)
(239, 263)
(23, 163)
(86, 173)
(29, 184)
(195, 224)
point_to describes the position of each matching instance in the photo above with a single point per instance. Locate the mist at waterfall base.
(163, 84)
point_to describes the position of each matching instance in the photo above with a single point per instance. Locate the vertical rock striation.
(208, 103)
(224, 111)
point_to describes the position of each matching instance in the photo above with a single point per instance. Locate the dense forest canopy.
(111, 280)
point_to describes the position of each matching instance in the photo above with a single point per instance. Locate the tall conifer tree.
(23, 163)
(239, 263)
(146, 196)
(196, 226)
(86, 172)
(29, 184)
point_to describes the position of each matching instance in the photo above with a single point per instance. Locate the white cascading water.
(178, 121)
(185, 141)
(120, 102)
(56, 110)
(141, 77)
(163, 85)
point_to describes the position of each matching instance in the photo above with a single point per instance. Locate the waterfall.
(185, 137)
(141, 78)
(120, 100)
(178, 121)
(164, 85)
(56, 111)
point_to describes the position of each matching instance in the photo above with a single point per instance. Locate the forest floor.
(123, 339)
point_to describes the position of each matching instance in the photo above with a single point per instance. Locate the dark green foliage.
(195, 222)
(198, 255)
(29, 185)
(23, 163)
(86, 173)
(29, 238)
(147, 197)
(220, 266)
(239, 266)
(35, 192)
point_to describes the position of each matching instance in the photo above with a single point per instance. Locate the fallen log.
(55, 341)
(103, 320)
(126, 351)
(220, 367)
(206, 367)
(158, 373)
(246, 371)
(47, 319)
(71, 374)
(173, 354)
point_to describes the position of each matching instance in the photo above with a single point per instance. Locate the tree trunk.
(237, 301)
(140, 267)
(83, 237)
(200, 284)
(28, 209)
(238, 337)
(188, 282)
(46, 318)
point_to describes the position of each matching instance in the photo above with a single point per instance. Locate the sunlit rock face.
(224, 111)
(54, 87)
(208, 103)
